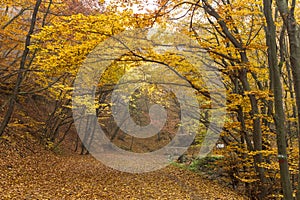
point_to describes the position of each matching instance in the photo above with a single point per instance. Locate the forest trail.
(50, 176)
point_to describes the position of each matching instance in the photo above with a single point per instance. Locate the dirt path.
(48, 176)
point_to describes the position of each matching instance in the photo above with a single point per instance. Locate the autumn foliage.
(253, 44)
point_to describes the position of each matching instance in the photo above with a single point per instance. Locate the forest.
(160, 99)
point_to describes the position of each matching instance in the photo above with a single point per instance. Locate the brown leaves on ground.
(44, 175)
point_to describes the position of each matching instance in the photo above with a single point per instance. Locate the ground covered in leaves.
(28, 172)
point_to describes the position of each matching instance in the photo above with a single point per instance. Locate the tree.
(279, 115)
(292, 27)
(17, 59)
(234, 38)
(256, 49)
(22, 68)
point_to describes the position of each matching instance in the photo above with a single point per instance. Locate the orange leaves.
(63, 46)
(263, 152)
(45, 175)
(259, 94)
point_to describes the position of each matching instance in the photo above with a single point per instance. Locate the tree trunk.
(288, 16)
(22, 68)
(279, 116)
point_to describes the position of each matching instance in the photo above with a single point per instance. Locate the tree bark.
(257, 132)
(288, 16)
(279, 116)
(22, 68)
